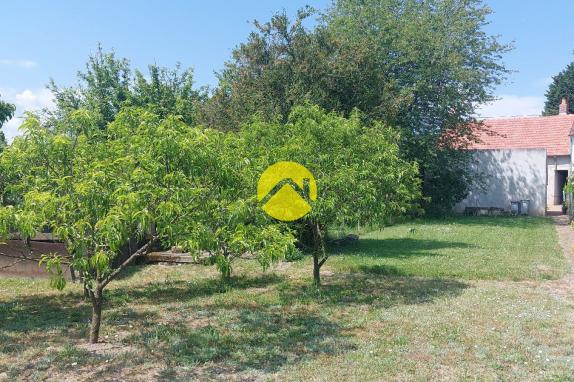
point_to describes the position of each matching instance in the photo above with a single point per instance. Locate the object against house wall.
(554, 191)
(508, 175)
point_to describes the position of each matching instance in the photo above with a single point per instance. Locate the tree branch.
(140, 252)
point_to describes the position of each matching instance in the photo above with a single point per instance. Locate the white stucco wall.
(555, 163)
(509, 175)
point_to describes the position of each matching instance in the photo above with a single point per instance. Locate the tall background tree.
(419, 66)
(6, 113)
(108, 83)
(562, 86)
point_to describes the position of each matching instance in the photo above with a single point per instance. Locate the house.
(523, 158)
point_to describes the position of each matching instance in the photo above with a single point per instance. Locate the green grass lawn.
(416, 322)
(501, 248)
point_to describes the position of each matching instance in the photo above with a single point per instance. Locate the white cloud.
(34, 99)
(512, 105)
(26, 100)
(25, 64)
(10, 128)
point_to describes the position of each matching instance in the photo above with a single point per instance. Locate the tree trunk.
(319, 256)
(316, 270)
(97, 300)
(97, 294)
(225, 275)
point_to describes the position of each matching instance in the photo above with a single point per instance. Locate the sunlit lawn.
(502, 248)
(402, 304)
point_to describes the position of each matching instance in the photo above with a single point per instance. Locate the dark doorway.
(561, 177)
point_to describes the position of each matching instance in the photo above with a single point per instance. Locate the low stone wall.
(14, 260)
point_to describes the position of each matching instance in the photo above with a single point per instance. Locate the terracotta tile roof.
(551, 133)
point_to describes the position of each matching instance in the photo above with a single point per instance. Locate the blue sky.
(43, 39)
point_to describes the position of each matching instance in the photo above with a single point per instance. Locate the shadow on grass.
(43, 313)
(180, 290)
(374, 290)
(61, 311)
(64, 317)
(253, 339)
(248, 335)
(397, 248)
(379, 270)
(262, 337)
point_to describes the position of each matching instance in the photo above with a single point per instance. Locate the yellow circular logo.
(286, 190)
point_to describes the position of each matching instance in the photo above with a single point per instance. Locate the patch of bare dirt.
(211, 372)
(282, 266)
(105, 348)
(109, 372)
